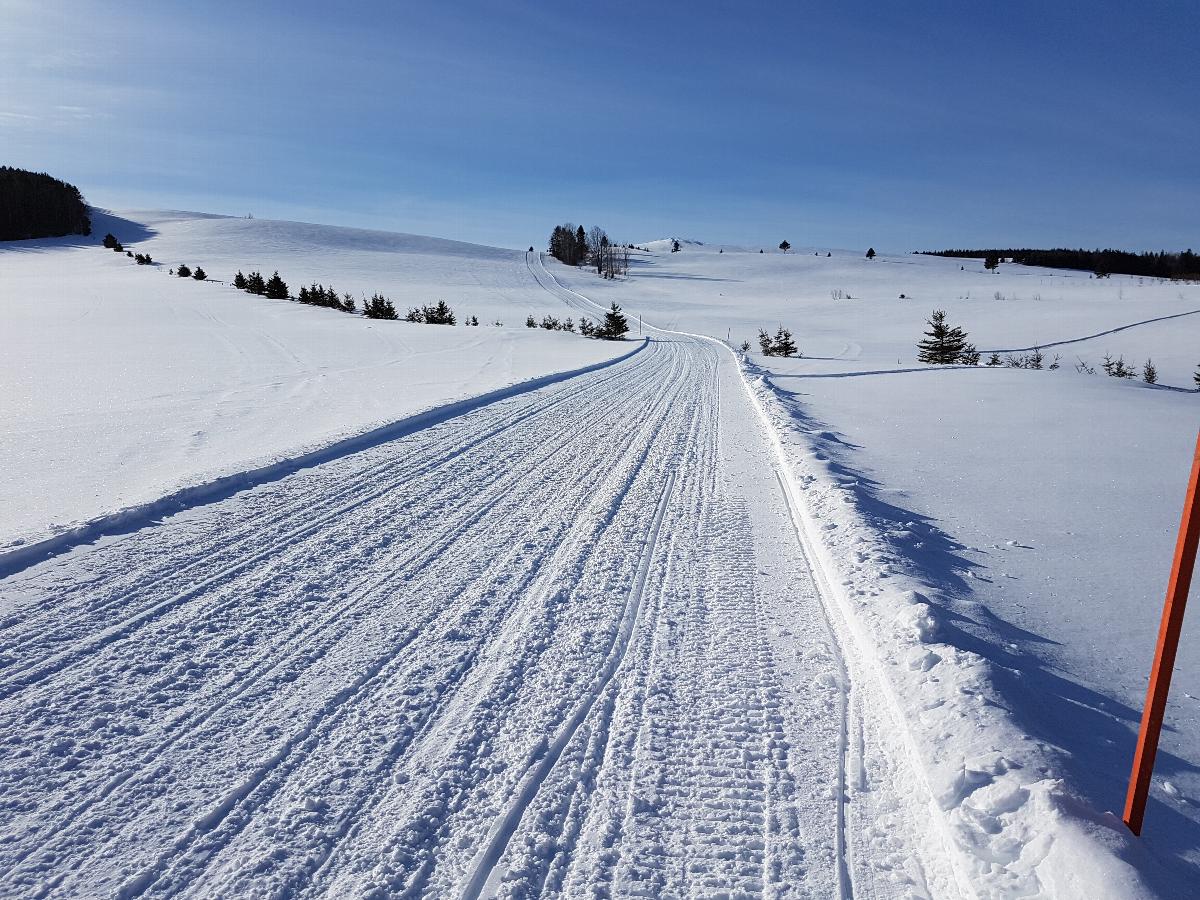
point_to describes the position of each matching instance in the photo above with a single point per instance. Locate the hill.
(124, 383)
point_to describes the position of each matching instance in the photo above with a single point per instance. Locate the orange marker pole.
(1164, 653)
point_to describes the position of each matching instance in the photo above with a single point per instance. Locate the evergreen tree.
(1149, 373)
(379, 307)
(615, 326)
(276, 288)
(183, 272)
(588, 329)
(785, 246)
(109, 241)
(992, 261)
(870, 253)
(239, 281)
(439, 315)
(675, 246)
(530, 322)
(969, 355)
(34, 205)
(764, 343)
(994, 359)
(199, 274)
(783, 345)
(255, 283)
(943, 344)
(580, 250)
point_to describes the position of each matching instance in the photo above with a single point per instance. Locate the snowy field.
(123, 384)
(1035, 511)
(682, 623)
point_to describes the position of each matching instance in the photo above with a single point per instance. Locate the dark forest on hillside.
(1185, 265)
(33, 205)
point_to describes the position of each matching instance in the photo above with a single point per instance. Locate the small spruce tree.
(943, 344)
(1149, 373)
(277, 288)
(994, 359)
(991, 262)
(239, 281)
(785, 246)
(199, 274)
(783, 345)
(615, 326)
(530, 322)
(255, 283)
(764, 343)
(439, 315)
(183, 272)
(379, 307)
(870, 253)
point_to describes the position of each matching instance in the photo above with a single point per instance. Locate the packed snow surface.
(677, 621)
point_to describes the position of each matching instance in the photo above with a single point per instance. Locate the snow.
(123, 384)
(675, 621)
(1002, 536)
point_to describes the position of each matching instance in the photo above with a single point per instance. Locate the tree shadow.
(1090, 734)
(103, 222)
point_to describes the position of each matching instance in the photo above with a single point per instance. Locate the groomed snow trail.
(564, 644)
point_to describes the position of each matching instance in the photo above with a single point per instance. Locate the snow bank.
(1012, 827)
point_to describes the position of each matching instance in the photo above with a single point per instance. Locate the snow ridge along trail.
(564, 643)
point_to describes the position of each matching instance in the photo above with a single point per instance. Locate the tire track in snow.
(21, 677)
(485, 871)
(443, 539)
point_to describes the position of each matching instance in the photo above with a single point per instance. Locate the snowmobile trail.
(563, 643)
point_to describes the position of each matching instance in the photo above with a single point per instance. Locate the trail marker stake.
(1164, 653)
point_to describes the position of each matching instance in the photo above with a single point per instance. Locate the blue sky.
(904, 126)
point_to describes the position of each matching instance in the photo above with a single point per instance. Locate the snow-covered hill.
(123, 384)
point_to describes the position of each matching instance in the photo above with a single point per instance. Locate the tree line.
(573, 246)
(1178, 266)
(613, 327)
(34, 205)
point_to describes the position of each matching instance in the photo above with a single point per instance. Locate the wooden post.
(1164, 653)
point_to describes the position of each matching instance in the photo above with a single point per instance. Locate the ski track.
(563, 644)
